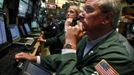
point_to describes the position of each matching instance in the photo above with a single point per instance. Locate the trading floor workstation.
(23, 22)
(18, 33)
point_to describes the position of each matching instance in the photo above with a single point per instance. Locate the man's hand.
(40, 39)
(129, 17)
(24, 55)
(68, 22)
(73, 35)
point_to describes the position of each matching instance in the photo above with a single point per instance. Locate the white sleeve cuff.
(65, 51)
(38, 59)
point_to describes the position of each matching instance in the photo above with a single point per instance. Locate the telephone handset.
(74, 22)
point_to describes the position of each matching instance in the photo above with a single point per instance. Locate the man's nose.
(81, 15)
(68, 14)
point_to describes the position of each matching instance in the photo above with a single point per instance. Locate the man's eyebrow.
(88, 7)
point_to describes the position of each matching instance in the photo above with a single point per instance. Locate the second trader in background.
(56, 43)
(102, 50)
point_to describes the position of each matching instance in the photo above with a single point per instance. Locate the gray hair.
(113, 6)
(76, 8)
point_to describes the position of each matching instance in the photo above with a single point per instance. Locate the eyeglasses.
(88, 9)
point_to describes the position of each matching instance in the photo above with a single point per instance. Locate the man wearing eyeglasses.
(92, 47)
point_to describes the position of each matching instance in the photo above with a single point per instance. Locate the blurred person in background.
(56, 43)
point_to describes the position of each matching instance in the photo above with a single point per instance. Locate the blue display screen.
(3, 37)
(14, 32)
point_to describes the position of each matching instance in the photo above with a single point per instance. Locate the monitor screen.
(131, 28)
(27, 28)
(34, 24)
(3, 37)
(23, 7)
(34, 69)
(1, 3)
(14, 32)
(30, 7)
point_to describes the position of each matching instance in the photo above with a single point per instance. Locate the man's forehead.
(91, 0)
(71, 9)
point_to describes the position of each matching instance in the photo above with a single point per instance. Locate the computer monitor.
(23, 7)
(34, 24)
(1, 4)
(27, 28)
(34, 69)
(22, 30)
(30, 7)
(131, 28)
(14, 31)
(3, 37)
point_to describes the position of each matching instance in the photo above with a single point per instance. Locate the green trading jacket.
(56, 43)
(114, 49)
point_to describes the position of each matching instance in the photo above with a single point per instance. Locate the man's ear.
(107, 17)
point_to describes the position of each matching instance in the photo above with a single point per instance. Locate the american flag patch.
(103, 68)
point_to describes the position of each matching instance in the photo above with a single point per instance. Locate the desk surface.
(37, 45)
(36, 48)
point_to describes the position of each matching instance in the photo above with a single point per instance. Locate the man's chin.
(83, 25)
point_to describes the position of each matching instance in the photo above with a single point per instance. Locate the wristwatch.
(68, 46)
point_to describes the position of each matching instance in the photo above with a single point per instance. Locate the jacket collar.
(104, 43)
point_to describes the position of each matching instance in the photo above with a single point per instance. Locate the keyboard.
(30, 41)
(23, 40)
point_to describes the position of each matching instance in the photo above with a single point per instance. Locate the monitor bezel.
(26, 28)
